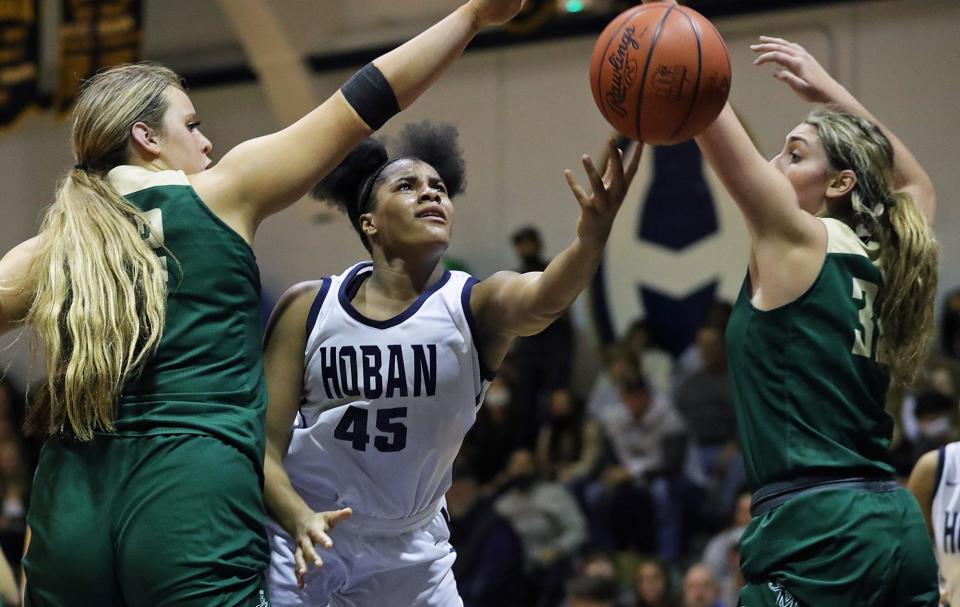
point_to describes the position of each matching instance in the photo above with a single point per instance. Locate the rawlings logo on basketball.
(668, 82)
(661, 88)
(624, 70)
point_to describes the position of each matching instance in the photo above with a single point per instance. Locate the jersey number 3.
(865, 337)
(151, 231)
(353, 429)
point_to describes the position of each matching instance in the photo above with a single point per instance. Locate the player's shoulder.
(928, 466)
(294, 305)
(300, 292)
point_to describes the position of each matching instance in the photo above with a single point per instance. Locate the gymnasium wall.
(526, 113)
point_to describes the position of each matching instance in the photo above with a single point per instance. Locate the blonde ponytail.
(908, 252)
(910, 259)
(100, 303)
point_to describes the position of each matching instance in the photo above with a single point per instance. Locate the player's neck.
(400, 280)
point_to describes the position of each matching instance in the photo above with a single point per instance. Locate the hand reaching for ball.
(798, 68)
(600, 207)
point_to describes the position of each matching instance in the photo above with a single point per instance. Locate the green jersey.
(808, 389)
(206, 376)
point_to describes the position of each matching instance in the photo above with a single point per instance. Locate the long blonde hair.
(100, 303)
(908, 252)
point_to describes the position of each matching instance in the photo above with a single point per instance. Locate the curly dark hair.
(350, 186)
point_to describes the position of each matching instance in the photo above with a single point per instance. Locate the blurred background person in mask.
(936, 417)
(490, 557)
(546, 517)
(494, 436)
(543, 362)
(570, 446)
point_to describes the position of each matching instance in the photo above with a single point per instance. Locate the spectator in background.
(717, 315)
(648, 442)
(494, 436)
(716, 555)
(591, 591)
(548, 521)
(570, 445)
(731, 586)
(544, 362)
(653, 584)
(936, 415)
(940, 375)
(950, 325)
(12, 413)
(705, 401)
(700, 588)
(490, 558)
(619, 366)
(656, 365)
(640, 427)
(11, 403)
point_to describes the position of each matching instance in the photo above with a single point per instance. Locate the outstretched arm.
(508, 304)
(16, 289)
(801, 71)
(766, 198)
(284, 345)
(267, 174)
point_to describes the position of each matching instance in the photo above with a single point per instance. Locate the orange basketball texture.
(660, 73)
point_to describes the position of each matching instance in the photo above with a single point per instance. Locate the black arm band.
(369, 93)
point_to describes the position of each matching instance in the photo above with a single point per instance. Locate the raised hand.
(799, 69)
(495, 12)
(312, 532)
(600, 207)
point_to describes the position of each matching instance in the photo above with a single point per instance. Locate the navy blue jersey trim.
(345, 297)
(941, 457)
(485, 372)
(317, 304)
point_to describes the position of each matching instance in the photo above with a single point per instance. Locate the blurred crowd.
(631, 494)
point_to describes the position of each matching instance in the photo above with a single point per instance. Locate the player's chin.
(436, 232)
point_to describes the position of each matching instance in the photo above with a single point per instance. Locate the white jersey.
(945, 515)
(386, 404)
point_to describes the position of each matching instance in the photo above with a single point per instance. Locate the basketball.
(660, 73)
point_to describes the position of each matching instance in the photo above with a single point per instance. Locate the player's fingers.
(338, 517)
(781, 58)
(578, 192)
(796, 82)
(309, 552)
(782, 41)
(615, 161)
(768, 47)
(596, 182)
(798, 49)
(300, 565)
(634, 164)
(320, 538)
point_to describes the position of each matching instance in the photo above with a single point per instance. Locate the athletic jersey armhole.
(941, 458)
(485, 372)
(317, 304)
